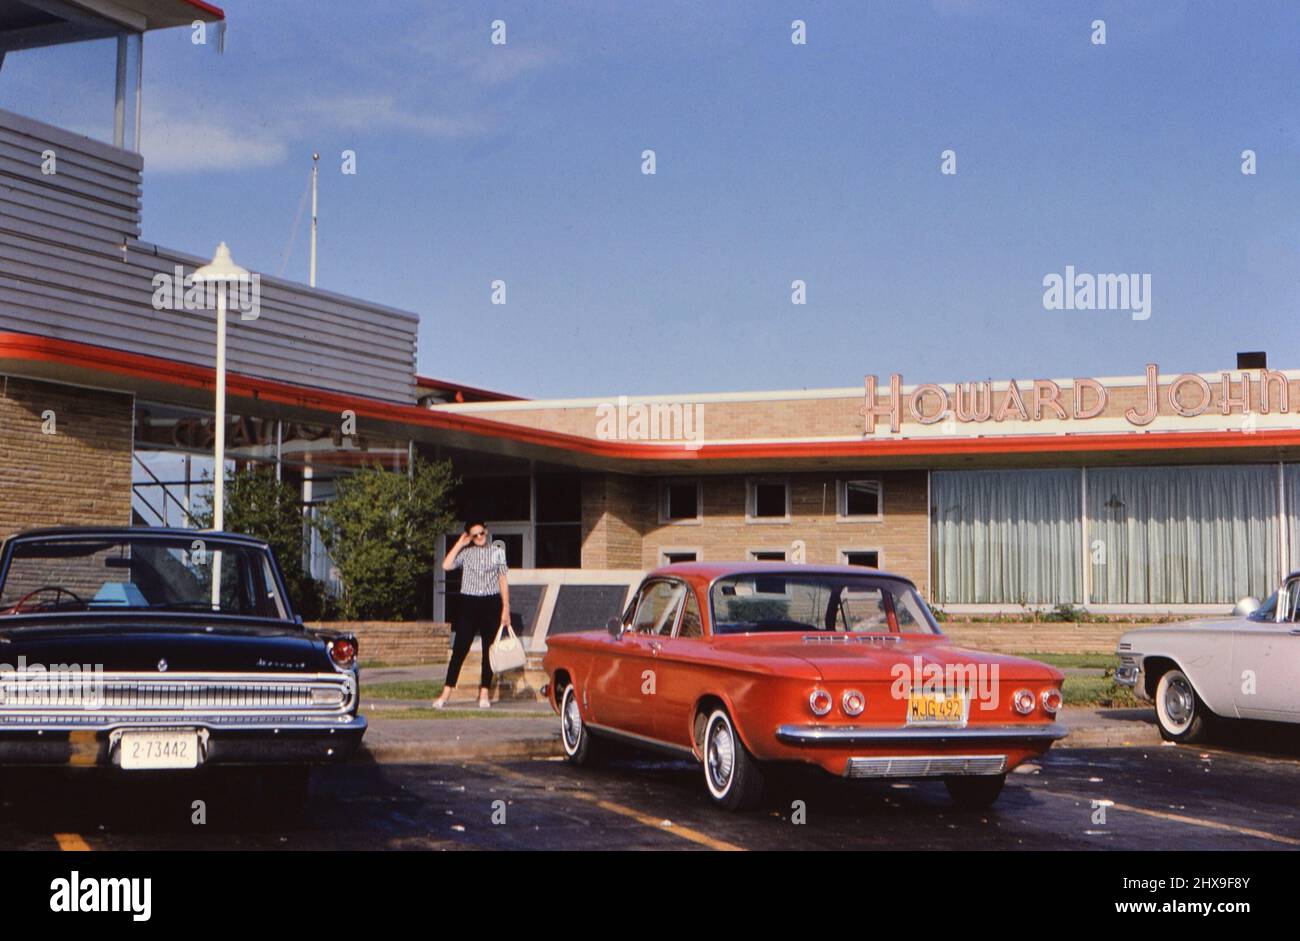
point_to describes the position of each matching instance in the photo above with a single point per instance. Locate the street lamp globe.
(221, 268)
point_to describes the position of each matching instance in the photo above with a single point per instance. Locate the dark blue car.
(161, 649)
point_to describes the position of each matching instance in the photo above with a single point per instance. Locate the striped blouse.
(480, 568)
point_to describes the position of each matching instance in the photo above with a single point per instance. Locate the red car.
(742, 665)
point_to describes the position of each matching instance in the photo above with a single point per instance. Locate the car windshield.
(799, 601)
(58, 575)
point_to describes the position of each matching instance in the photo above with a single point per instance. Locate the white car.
(1246, 666)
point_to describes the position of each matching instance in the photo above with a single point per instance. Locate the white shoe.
(485, 704)
(439, 704)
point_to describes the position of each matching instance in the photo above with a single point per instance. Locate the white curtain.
(1006, 537)
(1182, 535)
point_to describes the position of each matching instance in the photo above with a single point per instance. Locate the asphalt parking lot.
(1160, 797)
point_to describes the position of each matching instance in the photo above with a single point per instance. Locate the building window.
(869, 558)
(859, 500)
(1007, 536)
(500, 499)
(768, 501)
(1183, 535)
(767, 555)
(680, 501)
(559, 521)
(670, 556)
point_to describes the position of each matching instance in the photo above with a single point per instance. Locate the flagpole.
(315, 157)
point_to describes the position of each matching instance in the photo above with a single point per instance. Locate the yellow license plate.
(936, 709)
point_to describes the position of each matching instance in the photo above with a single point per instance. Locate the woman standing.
(484, 606)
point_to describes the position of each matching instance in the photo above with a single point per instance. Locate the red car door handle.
(655, 647)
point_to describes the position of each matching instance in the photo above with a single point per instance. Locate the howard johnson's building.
(1163, 491)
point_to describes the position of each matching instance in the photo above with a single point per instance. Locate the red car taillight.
(1023, 701)
(343, 653)
(1052, 700)
(820, 702)
(853, 702)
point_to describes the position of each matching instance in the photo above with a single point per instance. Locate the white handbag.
(506, 653)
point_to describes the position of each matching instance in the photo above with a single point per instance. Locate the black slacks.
(479, 615)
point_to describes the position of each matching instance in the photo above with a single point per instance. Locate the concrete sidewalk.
(1092, 727)
(411, 674)
(397, 741)
(520, 733)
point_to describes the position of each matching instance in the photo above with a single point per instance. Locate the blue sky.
(775, 162)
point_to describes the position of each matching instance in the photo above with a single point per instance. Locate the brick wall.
(397, 641)
(614, 510)
(839, 415)
(79, 475)
(621, 527)
(724, 535)
(1039, 637)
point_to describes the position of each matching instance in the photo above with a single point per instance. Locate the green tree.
(259, 505)
(382, 529)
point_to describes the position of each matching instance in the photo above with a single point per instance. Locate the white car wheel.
(732, 775)
(574, 736)
(1181, 714)
(719, 755)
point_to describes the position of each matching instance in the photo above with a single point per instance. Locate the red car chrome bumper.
(911, 734)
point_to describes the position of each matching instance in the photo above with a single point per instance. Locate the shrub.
(259, 505)
(1064, 613)
(382, 530)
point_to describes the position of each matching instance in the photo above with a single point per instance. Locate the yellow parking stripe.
(85, 749)
(686, 833)
(72, 843)
(1182, 818)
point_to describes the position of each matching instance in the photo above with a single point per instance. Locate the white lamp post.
(221, 271)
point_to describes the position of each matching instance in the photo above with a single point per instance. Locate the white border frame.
(751, 501)
(842, 500)
(551, 580)
(880, 555)
(662, 501)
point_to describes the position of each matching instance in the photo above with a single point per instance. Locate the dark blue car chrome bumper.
(223, 740)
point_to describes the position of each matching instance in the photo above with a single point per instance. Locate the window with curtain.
(1006, 537)
(1182, 535)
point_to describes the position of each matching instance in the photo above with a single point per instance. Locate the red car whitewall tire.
(574, 736)
(732, 775)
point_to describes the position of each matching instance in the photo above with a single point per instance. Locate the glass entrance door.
(515, 538)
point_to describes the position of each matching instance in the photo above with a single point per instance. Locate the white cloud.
(352, 112)
(179, 140)
(432, 77)
(174, 143)
(504, 64)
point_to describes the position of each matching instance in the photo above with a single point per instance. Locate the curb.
(1111, 738)
(549, 746)
(403, 752)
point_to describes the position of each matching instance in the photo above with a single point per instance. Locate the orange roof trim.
(29, 347)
